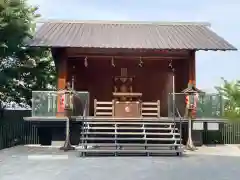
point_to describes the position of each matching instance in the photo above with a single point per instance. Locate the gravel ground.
(32, 163)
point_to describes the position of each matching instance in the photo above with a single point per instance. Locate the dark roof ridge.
(198, 23)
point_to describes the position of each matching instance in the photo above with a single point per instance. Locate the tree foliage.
(231, 94)
(22, 69)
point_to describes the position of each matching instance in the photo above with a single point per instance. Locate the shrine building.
(127, 62)
(127, 73)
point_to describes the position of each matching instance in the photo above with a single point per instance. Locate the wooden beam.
(127, 53)
(109, 57)
(60, 58)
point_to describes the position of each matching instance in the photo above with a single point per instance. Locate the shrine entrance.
(125, 88)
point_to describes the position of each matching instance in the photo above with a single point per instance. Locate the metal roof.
(133, 35)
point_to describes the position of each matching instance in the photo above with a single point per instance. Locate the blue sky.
(222, 14)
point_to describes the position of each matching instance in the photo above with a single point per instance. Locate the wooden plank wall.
(154, 79)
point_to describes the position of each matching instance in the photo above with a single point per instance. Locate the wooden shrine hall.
(127, 70)
(127, 66)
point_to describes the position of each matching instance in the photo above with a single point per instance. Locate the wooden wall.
(154, 79)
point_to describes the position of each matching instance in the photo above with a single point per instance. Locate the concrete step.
(178, 152)
(130, 145)
(131, 123)
(150, 136)
(115, 119)
(131, 138)
(128, 133)
(131, 128)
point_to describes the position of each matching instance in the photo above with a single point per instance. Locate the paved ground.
(220, 150)
(24, 163)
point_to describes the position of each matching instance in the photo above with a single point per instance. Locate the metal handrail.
(180, 125)
(84, 115)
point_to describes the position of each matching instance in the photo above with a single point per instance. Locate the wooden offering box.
(130, 107)
(127, 109)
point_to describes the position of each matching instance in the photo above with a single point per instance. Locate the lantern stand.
(190, 92)
(68, 109)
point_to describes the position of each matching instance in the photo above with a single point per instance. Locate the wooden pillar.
(192, 69)
(61, 64)
(62, 71)
(60, 59)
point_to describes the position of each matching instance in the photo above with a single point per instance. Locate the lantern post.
(68, 109)
(190, 112)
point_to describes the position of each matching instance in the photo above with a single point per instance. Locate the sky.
(222, 14)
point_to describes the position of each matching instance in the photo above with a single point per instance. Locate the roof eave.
(189, 49)
(228, 49)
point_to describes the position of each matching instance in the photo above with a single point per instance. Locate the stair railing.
(180, 125)
(84, 127)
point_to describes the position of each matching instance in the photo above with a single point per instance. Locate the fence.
(49, 103)
(207, 105)
(14, 131)
(231, 133)
(228, 133)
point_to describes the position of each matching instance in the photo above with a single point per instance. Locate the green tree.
(231, 94)
(22, 69)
